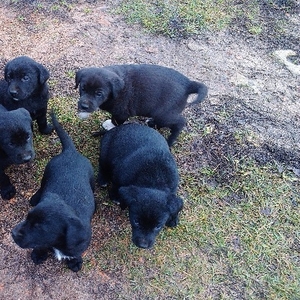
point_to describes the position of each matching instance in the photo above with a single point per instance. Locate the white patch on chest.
(59, 255)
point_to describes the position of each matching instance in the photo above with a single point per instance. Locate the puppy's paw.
(108, 125)
(38, 256)
(8, 192)
(47, 129)
(74, 264)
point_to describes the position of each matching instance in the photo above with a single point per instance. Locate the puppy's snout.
(14, 93)
(26, 157)
(17, 233)
(83, 105)
(143, 243)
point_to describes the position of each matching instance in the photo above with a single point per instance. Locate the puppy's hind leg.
(175, 123)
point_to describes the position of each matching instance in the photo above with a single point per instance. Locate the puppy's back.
(139, 155)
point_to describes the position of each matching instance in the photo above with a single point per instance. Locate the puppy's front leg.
(43, 126)
(75, 264)
(8, 191)
(39, 255)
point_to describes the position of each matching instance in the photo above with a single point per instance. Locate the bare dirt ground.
(250, 90)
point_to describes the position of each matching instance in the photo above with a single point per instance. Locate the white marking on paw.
(59, 255)
(108, 125)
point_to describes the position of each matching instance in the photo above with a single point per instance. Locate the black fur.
(136, 160)
(16, 144)
(64, 205)
(25, 85)
(139, 90)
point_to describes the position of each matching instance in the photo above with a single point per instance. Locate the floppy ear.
(6, 71)
(175, 204)
(43, 73)
(117, 85)
(24, 112)
(128, 195)
(78, 77)
(76, 237)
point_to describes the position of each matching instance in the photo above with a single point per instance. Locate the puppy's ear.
(128, 195)
(117, 85)
(6, 71)
(78, 77)
(76, 236)
(43, 73)
(24, 112)
(175, 204)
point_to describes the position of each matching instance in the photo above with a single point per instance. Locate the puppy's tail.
(65, 139)
(197, 88)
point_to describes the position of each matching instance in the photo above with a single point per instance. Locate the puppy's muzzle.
(26, 157)
(14, 95)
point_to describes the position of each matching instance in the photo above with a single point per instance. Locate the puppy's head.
(51, 224)
(96, 86)
(149, 211)
(16, 135)
(24, 77)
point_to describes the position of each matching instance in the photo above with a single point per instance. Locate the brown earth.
(249, 91)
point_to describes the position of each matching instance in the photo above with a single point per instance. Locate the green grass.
(180, 18)
(238, 240)
(175, 18)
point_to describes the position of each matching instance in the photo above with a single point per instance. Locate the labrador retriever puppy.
(16, 145)
(64, 205)
(138, 90)
(25, 85)
(136, 160)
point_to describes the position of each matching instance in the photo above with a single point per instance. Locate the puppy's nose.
(14, 93)
(27, 157)
(83, 105)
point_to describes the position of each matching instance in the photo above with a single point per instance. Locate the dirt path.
(249, 91)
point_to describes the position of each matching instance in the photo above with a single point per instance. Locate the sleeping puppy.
(138, 90)
(136, 160)
(64, 205)
(25, 86)
(16, 145)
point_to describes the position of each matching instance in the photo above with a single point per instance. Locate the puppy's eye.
(25, 78)
(158, 227)
(98, 93)
(28, 138)
(8, 77)
(136, 223)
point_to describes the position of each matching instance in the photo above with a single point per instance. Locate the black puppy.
(61, 219)
(16, 144)
(138, 90)
(25, 86)
(137, 161)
